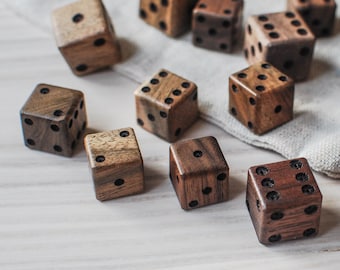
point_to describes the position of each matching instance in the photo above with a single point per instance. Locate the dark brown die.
(318, 14)
(261, 97)
(282, 39)
(166, 105)
(54, 119)
(284, 201)
(116, 163)
(199, 172)
(172, 17)
(217, 24)
(85, 36)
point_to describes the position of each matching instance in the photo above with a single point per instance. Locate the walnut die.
(199, 172)
(54, 119)
(166, 105)
(217, 24)
(318, 14)
(261, 97)
(284, 201)
(172, 17)
(85, 36)
(282, 39)
(116, 163)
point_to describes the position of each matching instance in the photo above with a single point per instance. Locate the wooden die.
(172, 17)
(116, 163)
(54, 119)
(261, 97)
(318, 14)
(282, 39)
(166, 105)
(284, 201)
(85, 36)
(217, 24)
(199, 172)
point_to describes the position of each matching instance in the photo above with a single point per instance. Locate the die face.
(282, 39)
(54, 119)
(291, 178)
(172, 17)
(318, 14)
(284, 200)
(199, 172)
(216, 24)
(85, 36)
(79, 20)
(261, 97)
(166, 105)
(116, 163)
(93, 54)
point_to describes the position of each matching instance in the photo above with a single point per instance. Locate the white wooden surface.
(50, 219)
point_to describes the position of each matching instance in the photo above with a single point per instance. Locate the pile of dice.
(283, 198)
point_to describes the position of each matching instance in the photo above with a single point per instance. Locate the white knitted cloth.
(315, 131)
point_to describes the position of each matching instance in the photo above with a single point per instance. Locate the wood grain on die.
(85, 36)
(282, 39)
(172, 17)
(261, 97)
(284, 200)
(318, 14)
(166, 105)
(199, 172)
(54, 119)
(116, 163)
(216, 24)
